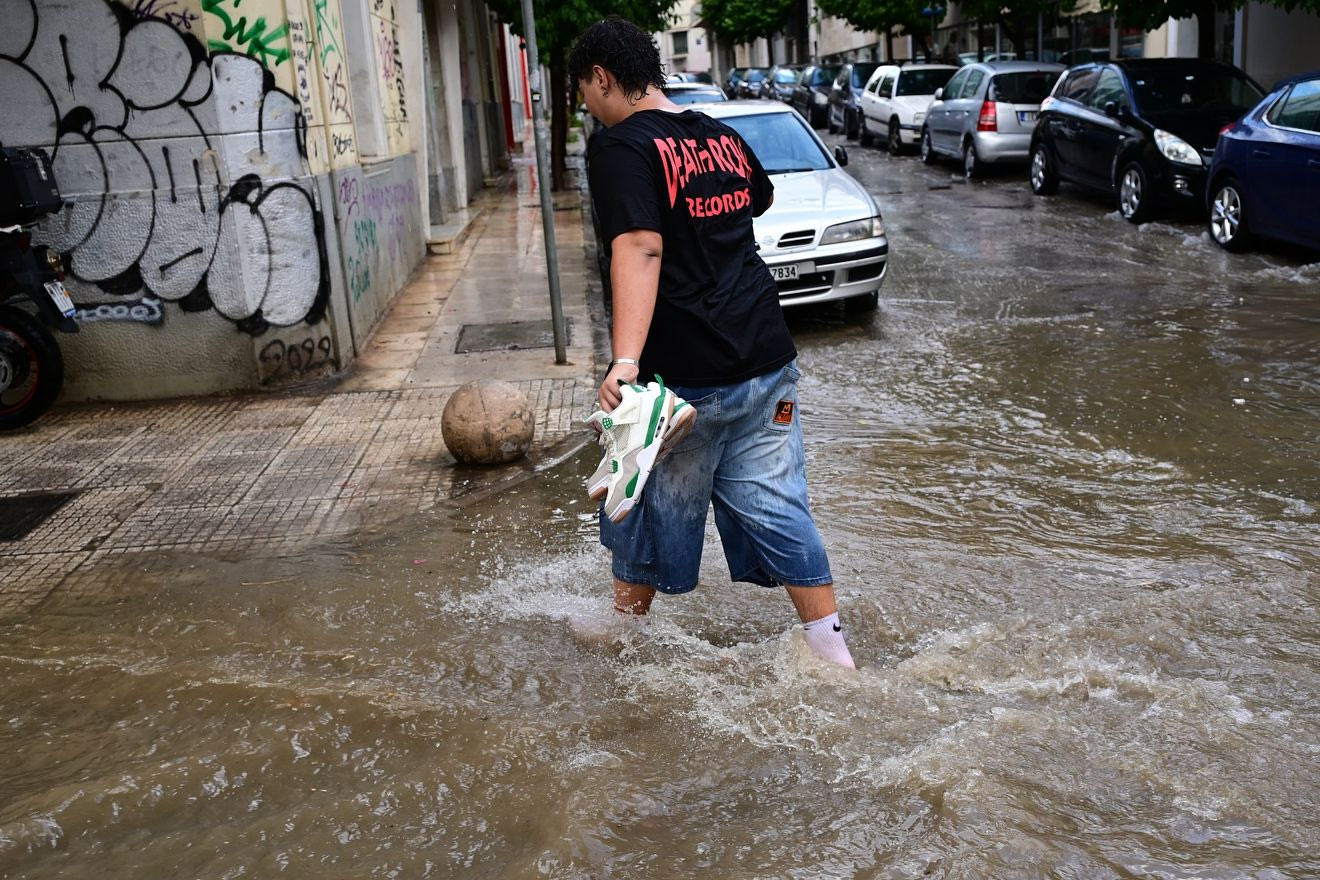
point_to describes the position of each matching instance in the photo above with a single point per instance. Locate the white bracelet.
(629, 361)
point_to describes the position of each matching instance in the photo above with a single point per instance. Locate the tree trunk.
(559, 98)
(1205, 30)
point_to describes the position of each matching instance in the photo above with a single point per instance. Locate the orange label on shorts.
(784, 412)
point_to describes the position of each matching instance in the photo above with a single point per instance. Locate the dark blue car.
(1265, 175)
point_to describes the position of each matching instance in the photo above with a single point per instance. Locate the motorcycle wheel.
(31, 368)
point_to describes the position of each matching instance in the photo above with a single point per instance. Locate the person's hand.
(609, 394)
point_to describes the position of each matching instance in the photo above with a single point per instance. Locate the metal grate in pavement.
(21, 514)
(510, 336)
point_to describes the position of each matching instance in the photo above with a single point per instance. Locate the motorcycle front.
(33, 301)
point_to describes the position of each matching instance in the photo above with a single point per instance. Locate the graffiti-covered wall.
(195, 140)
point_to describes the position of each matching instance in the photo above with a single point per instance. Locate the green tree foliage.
(741, 21)
(558, 25)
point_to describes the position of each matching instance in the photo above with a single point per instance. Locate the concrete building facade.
(250, 185)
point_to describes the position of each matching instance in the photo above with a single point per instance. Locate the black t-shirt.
(695, 181)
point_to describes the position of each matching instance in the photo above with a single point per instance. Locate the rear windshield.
(695, 96)
(824, 76)
(1196, 89)
(923, 82)
(786, 76)
(1022, 88)
(861, 73)
(755, 75)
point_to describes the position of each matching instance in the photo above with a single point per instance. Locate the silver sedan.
(823, 238)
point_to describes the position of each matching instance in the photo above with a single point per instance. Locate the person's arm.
(635, 281)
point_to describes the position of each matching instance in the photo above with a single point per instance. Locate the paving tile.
(29, 578)
(269, 473)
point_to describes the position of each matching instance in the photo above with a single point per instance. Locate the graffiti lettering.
(339, 93)
(348, 195)
(342, 144)
(259, 40)
(359, 277)
(166, 10)
(155, 214)
(147, 310)
(279, 359)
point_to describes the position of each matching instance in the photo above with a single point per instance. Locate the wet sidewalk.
(89, 495)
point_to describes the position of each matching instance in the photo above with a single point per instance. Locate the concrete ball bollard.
(487, 422)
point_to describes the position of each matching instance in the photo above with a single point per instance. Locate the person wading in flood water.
(675, 192)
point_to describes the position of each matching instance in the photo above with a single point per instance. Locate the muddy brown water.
(1068, 477)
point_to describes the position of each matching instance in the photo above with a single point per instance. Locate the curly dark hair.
(623, 49)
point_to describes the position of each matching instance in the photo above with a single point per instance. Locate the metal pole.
(543, 184)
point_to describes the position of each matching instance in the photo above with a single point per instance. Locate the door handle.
(1260, 154)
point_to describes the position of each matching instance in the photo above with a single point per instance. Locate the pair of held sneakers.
(649, 421)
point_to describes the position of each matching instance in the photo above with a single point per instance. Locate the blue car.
(1265, 175)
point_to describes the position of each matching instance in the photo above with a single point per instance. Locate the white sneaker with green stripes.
(649, 422)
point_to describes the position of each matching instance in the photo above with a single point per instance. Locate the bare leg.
(812, 603)
(632, 598)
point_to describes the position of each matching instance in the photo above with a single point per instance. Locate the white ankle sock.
(825, 639)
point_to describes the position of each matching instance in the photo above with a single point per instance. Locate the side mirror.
(939, 93)
(841, 155)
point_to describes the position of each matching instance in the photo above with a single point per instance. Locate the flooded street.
(1067, 475)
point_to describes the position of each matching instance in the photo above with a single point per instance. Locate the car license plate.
(785, 273)
(60, 298)
(1026, 116)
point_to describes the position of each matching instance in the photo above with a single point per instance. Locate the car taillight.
(989, 119)
(1227, 128)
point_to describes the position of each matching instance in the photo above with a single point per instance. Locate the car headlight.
(854, 230)
(918, 116)
(822, 98)
(1175, 149)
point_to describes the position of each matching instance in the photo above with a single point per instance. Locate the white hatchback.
(822, 238)
(895, 100)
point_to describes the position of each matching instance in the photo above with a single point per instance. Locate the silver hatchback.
(986, 114)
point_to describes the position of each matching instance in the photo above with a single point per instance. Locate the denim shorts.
(745, 457)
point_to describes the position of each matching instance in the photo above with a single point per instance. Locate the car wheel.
(927, 148)
(867, 302)
(864, 133)
(1134, 193)
(1044, 176)
(850, 124)
(817, 119)
(1228, 221)
(895, 142)
(973, 167)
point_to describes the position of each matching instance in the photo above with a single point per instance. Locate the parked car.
(970, 57)
(692, 76)
(1141, 128)
(750, 85)
(811, 97)
(694, 93)
(845, 108)
(823, 238)
(986, 113)
(1265, 175)
(731, 81)
(779, 83)
(895, 99)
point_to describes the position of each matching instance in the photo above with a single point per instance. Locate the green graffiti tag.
(266, 45)
(326, 27)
